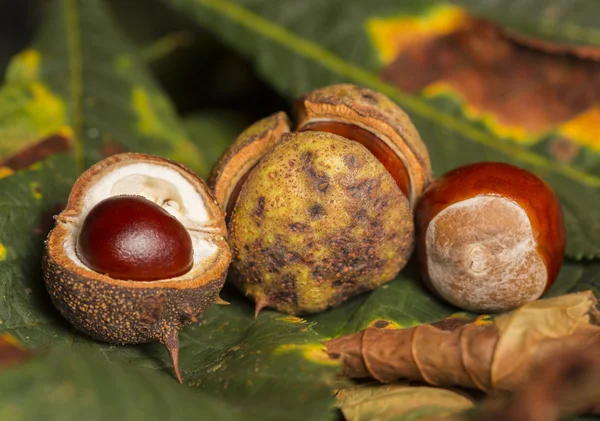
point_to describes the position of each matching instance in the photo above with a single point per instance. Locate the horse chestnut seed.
(491, 237)
(132, 238)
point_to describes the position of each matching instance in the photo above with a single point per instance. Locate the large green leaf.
(298, 46)
(65, 384)
(275, 362)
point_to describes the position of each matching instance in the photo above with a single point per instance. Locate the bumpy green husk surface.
(318, 221)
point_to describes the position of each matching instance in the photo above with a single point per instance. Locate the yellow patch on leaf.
(24, 67)
(50, 111)
(65, 131)
(7, 338)
(35, 190)
(484, 319)
(514, 132)
(385, 324)
(311, 352)
(150, 122)
(2, 252)
(293, 319)
(391, 35)
(151, 109)
(584, 128)
(5, 172)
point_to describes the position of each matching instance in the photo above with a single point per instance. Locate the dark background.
(202, 74)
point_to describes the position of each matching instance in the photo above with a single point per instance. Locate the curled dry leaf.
(566, 384)
(492, 357)
(392, 402)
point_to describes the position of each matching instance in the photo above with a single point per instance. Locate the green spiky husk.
(318, 221)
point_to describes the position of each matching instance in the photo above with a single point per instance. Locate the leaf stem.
(76, 76)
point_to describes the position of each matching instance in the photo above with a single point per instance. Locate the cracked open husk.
(125, 311)
(321, 214)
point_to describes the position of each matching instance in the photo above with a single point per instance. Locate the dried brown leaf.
(566, 384)
(490, 357)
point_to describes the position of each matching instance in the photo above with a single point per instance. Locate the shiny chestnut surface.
(529, 192)
(373, 143)
(132, 238)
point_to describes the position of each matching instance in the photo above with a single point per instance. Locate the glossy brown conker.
(131, 238)
(491, 236)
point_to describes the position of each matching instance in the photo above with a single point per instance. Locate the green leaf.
(299, 46)
(275, 361)
(574, 278)
(212, 131)
(65, 384)
(269, 369)
(81, 80)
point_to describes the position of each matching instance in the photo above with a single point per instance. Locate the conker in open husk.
(130, 237)
(139, 252)
(323, 214)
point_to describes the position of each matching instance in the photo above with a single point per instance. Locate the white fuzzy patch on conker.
(162, 185)
(481, 255)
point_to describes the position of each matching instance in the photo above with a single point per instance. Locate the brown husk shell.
(243, 154)
(129, 312)
(374, 112)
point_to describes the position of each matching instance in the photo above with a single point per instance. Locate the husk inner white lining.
(161, 185)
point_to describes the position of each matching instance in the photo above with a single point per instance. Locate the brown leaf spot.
(112, 148)
(380, 324)
(564, 149)
(518, 85)
(50, 146)
(47, 222)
